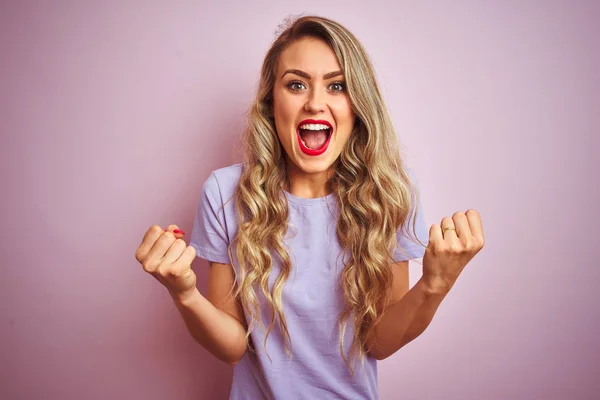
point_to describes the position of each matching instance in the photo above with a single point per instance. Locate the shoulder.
(231, 173)
(222, 182)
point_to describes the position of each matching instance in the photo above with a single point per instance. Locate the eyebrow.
(307, 76)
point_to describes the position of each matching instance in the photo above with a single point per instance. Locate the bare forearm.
(406, 319)
(218, 332)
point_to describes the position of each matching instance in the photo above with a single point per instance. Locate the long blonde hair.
(374, 193)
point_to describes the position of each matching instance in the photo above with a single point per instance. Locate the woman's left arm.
(451, 246)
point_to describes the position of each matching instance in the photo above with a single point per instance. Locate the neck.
(307, 185)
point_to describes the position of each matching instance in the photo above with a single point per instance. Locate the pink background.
(113, 114)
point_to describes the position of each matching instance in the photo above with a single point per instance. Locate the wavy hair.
(375, 194)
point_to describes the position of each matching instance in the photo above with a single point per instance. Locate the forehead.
(310, 55)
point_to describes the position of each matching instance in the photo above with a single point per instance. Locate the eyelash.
(291, 84)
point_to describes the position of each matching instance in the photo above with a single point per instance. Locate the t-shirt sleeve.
(406, 244)
(209, 235)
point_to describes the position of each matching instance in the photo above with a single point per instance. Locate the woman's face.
(313, 114)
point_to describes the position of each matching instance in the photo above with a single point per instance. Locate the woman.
(309, 238)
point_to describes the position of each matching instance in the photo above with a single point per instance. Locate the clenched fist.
(451, 246)
(165, 255)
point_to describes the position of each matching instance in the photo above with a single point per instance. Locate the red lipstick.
(322, 149)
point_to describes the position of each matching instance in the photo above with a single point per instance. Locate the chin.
(314, 166)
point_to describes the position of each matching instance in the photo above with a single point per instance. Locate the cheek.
(284, 107)
(344, 116)
(345, 119)
(279, 114)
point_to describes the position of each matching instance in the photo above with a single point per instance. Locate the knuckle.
(174, 271)
(168, 235)
(455, 248)
(146, 266)
(139, 256)
(162, 270)
(479, 243)
(469, 245)
(438, 247)
(169, 271)
(177, 267)
(458, 214)
(155, 228)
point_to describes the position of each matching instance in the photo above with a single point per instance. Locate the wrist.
(435, 285)
(185, 298)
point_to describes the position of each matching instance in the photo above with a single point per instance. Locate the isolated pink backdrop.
(113, 114)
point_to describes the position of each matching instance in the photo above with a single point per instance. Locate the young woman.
(309, 238)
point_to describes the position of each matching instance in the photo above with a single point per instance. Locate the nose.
(314, 103)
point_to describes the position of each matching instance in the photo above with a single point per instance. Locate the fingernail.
(179, 231)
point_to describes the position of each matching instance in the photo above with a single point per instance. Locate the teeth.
(314, 127)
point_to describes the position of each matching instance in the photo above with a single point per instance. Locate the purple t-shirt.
(312, 299)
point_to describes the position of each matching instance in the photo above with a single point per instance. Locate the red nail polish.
(179, 231)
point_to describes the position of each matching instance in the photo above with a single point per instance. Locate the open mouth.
(314, 136)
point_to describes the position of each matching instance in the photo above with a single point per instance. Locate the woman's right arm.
(216, 322)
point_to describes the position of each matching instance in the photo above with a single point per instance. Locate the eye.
(337, 86)
(296, 86)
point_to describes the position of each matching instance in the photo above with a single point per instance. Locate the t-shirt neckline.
(308, 202)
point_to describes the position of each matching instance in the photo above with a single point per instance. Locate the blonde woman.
(309, 238)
